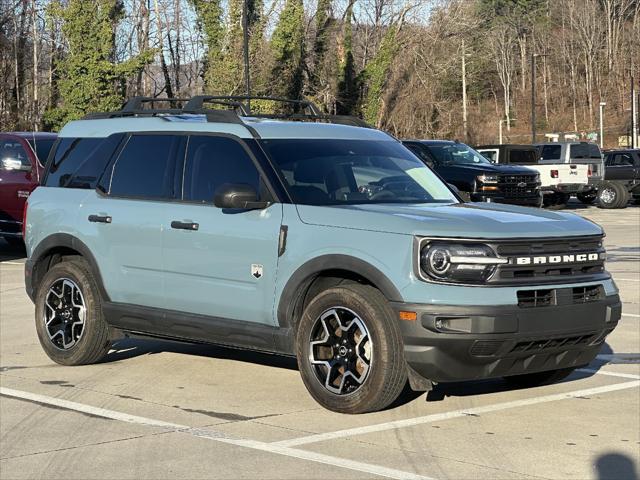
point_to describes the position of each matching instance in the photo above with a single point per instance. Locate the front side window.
(145, 167)
(70, 154)
(622, 159)
(215, 161)
(337, 172)
(41, 147)
(456, 154)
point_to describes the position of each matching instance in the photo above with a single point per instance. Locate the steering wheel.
(383, 195)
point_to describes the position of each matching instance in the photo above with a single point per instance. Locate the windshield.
(348, 172)
(455, 154)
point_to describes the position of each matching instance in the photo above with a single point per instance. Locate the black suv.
(476, 178)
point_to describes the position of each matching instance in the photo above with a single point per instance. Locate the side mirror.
(238, 196)
(13, 164)
(454, 188)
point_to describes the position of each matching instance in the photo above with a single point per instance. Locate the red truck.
(22, 158)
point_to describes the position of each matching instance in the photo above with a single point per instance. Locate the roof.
(509, 145)
(433, 142)
(265, 128)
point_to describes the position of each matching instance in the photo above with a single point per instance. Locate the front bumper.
(505, 340)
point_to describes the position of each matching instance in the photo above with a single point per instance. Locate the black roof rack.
(237, 106)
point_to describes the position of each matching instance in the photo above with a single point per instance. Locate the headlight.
(487, 178)
(458, 263)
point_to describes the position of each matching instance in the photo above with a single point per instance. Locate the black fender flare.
(50, 243)
(310, 269)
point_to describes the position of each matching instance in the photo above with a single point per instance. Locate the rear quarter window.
(79, 162)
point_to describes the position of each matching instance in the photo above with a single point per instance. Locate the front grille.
(536, 298)
(590, 293)
(544, 344)
(560, 263)
(517, 185)
(485, 348)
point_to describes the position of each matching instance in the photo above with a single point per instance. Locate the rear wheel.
(587, 198)
(349, 350)
(69, 318)
(539, 378)
(613, 195)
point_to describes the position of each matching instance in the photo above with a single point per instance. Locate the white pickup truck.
(558, 180)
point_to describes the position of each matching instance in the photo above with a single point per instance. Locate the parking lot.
(157, 409)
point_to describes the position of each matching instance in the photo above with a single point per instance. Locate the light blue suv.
(308, 235)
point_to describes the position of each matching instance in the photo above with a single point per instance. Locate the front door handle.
(100, 218)
(184, 225)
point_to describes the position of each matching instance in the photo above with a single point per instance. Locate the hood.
(481, 168)
(462, 220)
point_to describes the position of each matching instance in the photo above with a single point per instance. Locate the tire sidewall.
(77, 354)
(383, 351)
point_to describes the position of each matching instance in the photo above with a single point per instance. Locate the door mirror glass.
(238, 196)
(13, 164)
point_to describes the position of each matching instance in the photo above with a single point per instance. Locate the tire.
(382, 381)
(612, 195)
(587, 198)
(558, 201)
(539, 378)
(71, 282)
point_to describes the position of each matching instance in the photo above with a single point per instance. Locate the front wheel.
(350, 350)
(69, 319)
(539, 378)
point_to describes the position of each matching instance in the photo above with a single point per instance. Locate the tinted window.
(13, 150)
(212, 162)
(551, 152)
(456, 154)
(145, 167)
(523, 157)
(490, 155)
(335, 172)
(70, 154)
(42, 147)
(621, 159)
(584, 150)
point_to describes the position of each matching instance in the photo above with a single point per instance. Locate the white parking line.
(410, 422)
(630, 315)
(626, 280)
(611, 374)
(217, 436)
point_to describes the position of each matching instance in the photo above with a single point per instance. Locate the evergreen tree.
(376, 73)
(210, 21)
(287, 45)
(90, 78)
(347, 94)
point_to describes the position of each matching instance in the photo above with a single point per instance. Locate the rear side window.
(70, 154)
(551, 152)
(42, 147)
(620, 159)
(213, 161)
(145, 167)
(523, 157)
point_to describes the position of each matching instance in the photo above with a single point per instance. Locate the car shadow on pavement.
(616, 466)
(127, 348)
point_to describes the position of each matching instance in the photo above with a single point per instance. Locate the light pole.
(533, 94)
(602, 105)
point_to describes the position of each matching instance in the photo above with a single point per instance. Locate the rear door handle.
(184, 225)
(100, 218)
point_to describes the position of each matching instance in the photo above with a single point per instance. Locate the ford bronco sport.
(312, 236)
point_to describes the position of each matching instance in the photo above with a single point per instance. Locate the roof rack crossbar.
(197, 103)
(137, 103)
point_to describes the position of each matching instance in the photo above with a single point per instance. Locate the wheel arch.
(324, 272)
(52, 250)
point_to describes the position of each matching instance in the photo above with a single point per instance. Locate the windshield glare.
(456, 153)
(348, 172)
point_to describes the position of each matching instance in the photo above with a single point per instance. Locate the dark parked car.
(477, 179)
(22, 156)
(621, 178)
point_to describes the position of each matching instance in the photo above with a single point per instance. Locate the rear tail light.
(24, 218)
(554, 173)
(589, 172)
